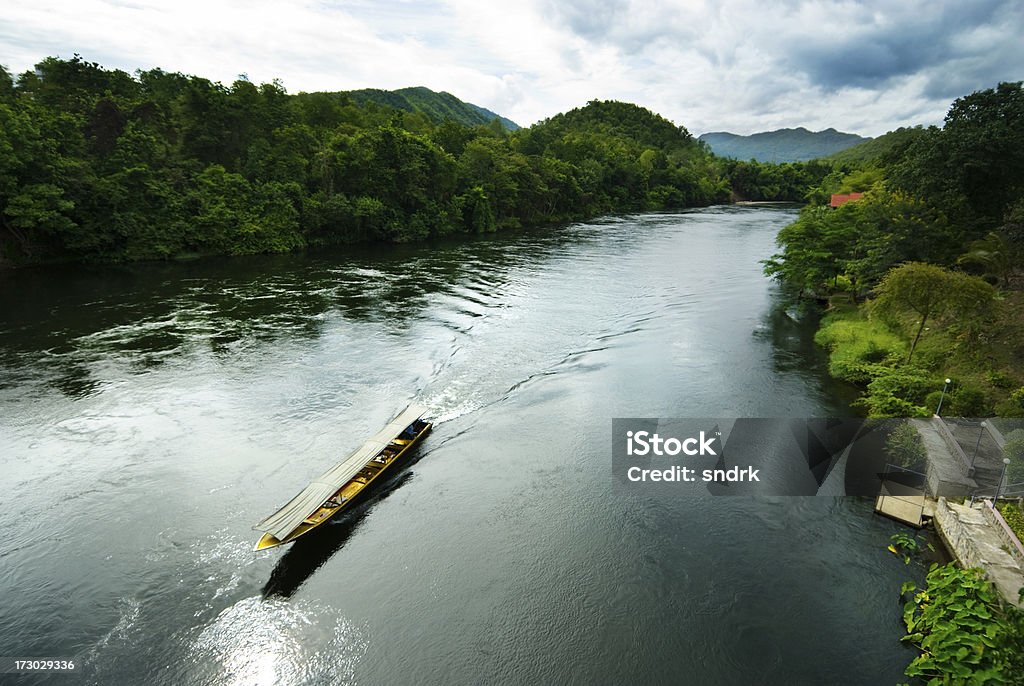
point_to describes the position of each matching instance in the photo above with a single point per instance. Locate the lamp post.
(974, 457)
(938, 410)
(1002, 477)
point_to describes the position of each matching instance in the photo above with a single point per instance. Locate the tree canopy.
(927, 291)
(939, 226)
(99, 164)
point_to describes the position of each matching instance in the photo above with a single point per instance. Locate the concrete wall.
(996, 436)
(974, 540)
(956, 536)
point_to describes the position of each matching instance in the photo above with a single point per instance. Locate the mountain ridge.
(436, 105)
(781, 145)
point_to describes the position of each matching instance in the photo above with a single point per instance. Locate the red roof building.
(841, 198)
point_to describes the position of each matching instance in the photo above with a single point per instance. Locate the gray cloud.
(879, 45)
(631, 25)
(591, 19)
(865, 66)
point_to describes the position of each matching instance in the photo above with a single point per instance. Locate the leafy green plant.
(1008, 408)
(906, 546)
(968, 401)
(999, 379)
(1012, 406)
(964, 634)
(897, 392)
(858, 347)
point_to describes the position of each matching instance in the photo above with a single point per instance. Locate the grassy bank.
(986, 367)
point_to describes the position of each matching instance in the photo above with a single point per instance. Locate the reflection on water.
(308, 554)
(258, 642)
(144, 313)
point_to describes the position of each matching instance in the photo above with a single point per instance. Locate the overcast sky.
(737, 65)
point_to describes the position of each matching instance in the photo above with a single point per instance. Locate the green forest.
(922, 275)
(102, 165)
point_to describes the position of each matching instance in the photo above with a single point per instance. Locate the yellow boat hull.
(347, 493)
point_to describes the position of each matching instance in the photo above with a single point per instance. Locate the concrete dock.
(914, 510)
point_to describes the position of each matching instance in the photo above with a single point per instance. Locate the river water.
(151, 414)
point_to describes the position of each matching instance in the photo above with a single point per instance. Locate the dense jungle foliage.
(101, 165)
(936, 248)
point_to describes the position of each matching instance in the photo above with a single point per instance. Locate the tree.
(97, 164)
(815, 249)
(928, 292)
(974, 165)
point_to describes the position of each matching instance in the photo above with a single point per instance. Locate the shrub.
(855, 345)
(999, 379)
(1014, 517)
(969, 402)
(905, 447)
(908, 383)
(1009, 408)
(1014, 405)
(889, 406)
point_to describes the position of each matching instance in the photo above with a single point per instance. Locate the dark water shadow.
(308, 554)
(790, 329)
(150, 312)
(313, 550)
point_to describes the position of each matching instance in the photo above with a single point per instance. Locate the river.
(151, 414)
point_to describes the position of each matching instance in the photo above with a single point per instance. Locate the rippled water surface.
(150, 414)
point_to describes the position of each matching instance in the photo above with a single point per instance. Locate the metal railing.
(1010, 491)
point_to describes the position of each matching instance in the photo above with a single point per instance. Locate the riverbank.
(986, 371)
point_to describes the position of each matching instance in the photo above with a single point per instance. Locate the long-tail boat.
(335, 489)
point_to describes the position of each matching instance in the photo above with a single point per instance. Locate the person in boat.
(410, 431)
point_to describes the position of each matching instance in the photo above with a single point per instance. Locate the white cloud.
(739, 65)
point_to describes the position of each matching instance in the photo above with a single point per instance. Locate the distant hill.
(876, 148)
(437, 106)
(784, 145)
(620, 120)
